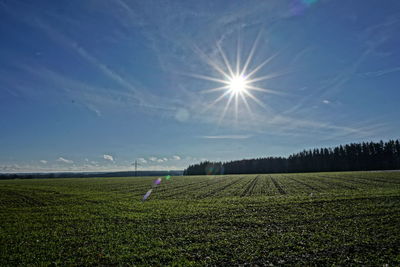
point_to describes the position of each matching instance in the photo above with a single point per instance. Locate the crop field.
(350, 218)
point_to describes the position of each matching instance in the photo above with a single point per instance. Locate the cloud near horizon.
(153, 158)
(142, 160)
(158, 159)
(226, 136)
(64, 160)
(108, 157)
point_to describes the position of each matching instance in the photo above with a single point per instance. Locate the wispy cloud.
(10, 168)
(270, 119)
(153, 158)
(64, 160)
(162, 35)
(159, 160)
(86, 167)
(141, 96)
(326, 101)
(108, 157)
(176, 157)
(43, 161)
(380, 72)
(142, 160)
(226, 136)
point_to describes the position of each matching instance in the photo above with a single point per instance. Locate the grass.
(281, 219)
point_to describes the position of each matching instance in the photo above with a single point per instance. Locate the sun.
(237, 84)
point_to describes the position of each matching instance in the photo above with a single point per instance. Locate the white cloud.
(226, 136)
(108, 157)
(63, 160)
(160, 160)
(90, 166)
(176, 157)
(10, 168)
(142, 160)
(43, 161)
(381, 72)
(326, 101)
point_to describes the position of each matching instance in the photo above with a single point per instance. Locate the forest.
(365, 156)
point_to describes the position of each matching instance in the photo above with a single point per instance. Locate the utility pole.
(135, 167)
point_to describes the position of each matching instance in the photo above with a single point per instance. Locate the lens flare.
(147, 195)
(157, 181)
(298, 7)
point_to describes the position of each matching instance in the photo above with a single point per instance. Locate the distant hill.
(87, 174)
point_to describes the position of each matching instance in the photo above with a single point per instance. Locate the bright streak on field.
(237, 82)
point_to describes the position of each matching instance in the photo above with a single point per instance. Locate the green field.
(281, 219)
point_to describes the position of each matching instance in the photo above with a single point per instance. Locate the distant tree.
(350, 157)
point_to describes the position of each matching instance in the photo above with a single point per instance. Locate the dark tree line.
(351, 157)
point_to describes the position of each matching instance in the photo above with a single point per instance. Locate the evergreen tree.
(350, 157)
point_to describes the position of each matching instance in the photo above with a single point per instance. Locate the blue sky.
(94, 85)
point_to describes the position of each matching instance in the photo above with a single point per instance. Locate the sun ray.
(254, 98)
(208, 78)
(255, 88)
(218, 99)
(238, 48)
(226, 108)
(251, 53)
(210, 62)
(236, 106)
(228, 66)
(246, 104)
(215, 89)
(254, 71)
(267, 77)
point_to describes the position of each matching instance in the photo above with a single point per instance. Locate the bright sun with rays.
(238, 81)
(237, 84)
